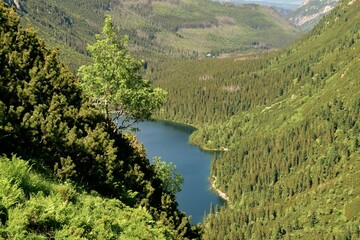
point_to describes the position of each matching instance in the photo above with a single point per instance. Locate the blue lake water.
(170, 142)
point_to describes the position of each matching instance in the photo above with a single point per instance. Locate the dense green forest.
(172, 28)
(65, 172)
(288, 123)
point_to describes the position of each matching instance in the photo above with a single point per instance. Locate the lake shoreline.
(171, 141)
(212, 179)
(221, 194)
(194, 129)
(206, 149)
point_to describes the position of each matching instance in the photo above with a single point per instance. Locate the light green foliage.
(114, 82)
(18, 173)
(172, 180)
(64, 212)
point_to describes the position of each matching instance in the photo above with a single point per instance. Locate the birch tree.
(114, 83)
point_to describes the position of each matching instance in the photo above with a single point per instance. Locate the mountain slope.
(310, 13)
(280, 4)
(189, 29)
(45, 119)
(289, 126)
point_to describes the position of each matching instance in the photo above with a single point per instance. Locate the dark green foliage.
(45, 119)
(43, 111)
(219, 87)
(4, 215)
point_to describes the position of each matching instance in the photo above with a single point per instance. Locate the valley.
(160, 29)
(281, 105)
(289, 121)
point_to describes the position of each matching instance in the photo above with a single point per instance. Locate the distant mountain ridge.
(285, 4)
(303, 14)
(176, 28)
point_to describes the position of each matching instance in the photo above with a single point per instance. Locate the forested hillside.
(180, 29)
(64, 172)
(289, 122)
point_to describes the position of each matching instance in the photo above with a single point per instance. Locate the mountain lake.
(170, 141)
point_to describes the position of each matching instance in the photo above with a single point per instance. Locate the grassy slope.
(175, 28)
(226, 28)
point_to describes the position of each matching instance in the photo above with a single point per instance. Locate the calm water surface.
(170, 142)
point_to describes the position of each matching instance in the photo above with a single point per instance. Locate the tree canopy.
(114, 83)
(172, 180)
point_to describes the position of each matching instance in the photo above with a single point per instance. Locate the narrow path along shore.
(220, 193)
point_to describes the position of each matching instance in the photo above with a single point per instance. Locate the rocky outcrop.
(310, 13)
(301, 20)
(218, 191)
(17, 3)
